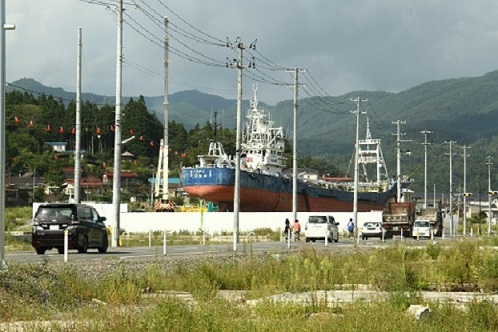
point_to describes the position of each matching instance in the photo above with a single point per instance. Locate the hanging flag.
(142, 139)
(112, 128)
(73, 131)
(98, 131)
(48, 128)
(132, 132)
(151, 143)
(31, 125)
(16, 120)
(61, 130)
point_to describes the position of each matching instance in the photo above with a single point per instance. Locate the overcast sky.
(345, 45)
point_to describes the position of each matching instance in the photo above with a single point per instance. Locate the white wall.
(214, 222)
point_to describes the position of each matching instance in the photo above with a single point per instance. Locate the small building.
(127, 156)
(127, 178)
(88, 184)
(303, 173)
(58, 147)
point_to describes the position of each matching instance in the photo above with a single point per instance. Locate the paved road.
(185, 250)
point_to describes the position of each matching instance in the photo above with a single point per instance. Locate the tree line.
(32, 122)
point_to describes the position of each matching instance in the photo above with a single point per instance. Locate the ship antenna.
(215, 124)
(369, 135)
(255, 95)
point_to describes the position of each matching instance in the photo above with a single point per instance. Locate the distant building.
(304, 173)
(58, 147)
(127, 179)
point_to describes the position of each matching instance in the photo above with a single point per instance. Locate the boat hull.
(266, 193)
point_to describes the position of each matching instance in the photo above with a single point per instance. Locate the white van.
(317, 227)
(421, 228)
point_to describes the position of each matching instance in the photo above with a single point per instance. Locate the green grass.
(55, 291)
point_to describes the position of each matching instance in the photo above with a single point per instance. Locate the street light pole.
(116, 179)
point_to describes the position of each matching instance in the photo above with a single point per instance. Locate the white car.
(319, 227)
(421, 228)
(371, 229)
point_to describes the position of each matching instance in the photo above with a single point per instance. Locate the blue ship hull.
(266, 193)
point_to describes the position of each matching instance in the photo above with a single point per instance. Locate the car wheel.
(105, 244)
(306, 239)
(84, 247)
(60, 250)
(40, 250)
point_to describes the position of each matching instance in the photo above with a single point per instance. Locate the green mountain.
(464, 110)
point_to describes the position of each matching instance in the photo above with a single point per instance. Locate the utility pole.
(77, 154)
(425, 143)
(116, 180)
(3, 27)
(398, 134)
(490, 194)
(452, 229)
(296, 72)
(239, 45)
(465, 193)
(357, 112)
(165, 145)
(434, 195)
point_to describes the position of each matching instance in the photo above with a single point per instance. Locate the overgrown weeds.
(110, 294)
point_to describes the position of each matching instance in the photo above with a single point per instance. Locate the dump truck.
(435, 217)
(398, 219)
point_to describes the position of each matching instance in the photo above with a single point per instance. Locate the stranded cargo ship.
(265, 188)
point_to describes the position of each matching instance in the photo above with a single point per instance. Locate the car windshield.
(424, 223)
(371, 224)
(317, 220)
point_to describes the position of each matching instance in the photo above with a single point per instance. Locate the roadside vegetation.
(167, 294)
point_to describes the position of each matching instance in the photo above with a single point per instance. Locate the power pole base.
(3, 266)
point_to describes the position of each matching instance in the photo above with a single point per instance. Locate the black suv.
(86, 228)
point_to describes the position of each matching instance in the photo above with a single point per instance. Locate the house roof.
(160, 180)
(128, 154)
(56, 143)
(90, 181)
(124, 174)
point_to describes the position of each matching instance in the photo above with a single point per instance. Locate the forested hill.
(464, 110)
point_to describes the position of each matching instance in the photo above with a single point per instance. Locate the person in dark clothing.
(287, 229)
